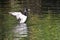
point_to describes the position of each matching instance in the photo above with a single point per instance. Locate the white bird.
(19, 15)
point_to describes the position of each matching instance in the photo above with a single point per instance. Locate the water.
(20, 31)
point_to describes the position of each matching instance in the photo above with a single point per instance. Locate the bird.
(19, 15)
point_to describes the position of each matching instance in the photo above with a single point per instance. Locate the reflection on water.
(20, 30)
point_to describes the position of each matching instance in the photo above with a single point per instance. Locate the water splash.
(20, 30)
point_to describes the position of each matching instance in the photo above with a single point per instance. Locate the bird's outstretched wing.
(19, 15)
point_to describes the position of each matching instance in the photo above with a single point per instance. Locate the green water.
(45, 28)
(40, 27)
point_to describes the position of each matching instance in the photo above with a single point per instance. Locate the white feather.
(19, 15)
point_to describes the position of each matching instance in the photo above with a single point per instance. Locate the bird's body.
(21, 29)
(19, 15)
